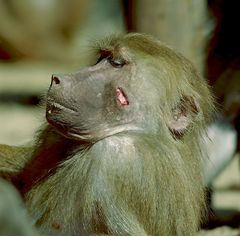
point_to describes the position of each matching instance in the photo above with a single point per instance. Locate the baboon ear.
(182, 115)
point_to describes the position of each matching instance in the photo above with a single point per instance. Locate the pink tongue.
(121, 97)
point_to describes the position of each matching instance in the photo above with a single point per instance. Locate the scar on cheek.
(121, 97)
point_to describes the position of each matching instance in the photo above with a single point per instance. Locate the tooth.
(58, 106)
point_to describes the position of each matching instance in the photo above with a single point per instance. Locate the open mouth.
(53, 107)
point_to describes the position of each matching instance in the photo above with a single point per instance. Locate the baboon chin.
(122, 152)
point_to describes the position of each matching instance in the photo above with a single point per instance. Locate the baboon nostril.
(55, 79)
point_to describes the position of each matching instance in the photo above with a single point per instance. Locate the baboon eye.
(117, 62)
(98, 60)
(104, 54)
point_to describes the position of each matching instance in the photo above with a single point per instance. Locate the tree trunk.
(180, 23)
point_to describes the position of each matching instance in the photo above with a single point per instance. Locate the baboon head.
(137, 84)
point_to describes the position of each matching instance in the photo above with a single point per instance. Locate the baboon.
(122, 152)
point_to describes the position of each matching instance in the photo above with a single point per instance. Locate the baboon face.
(97, 101)
(137, 84)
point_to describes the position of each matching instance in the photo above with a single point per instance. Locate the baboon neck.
(51, 150)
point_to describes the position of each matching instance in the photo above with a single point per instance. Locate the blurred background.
(42, 37)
